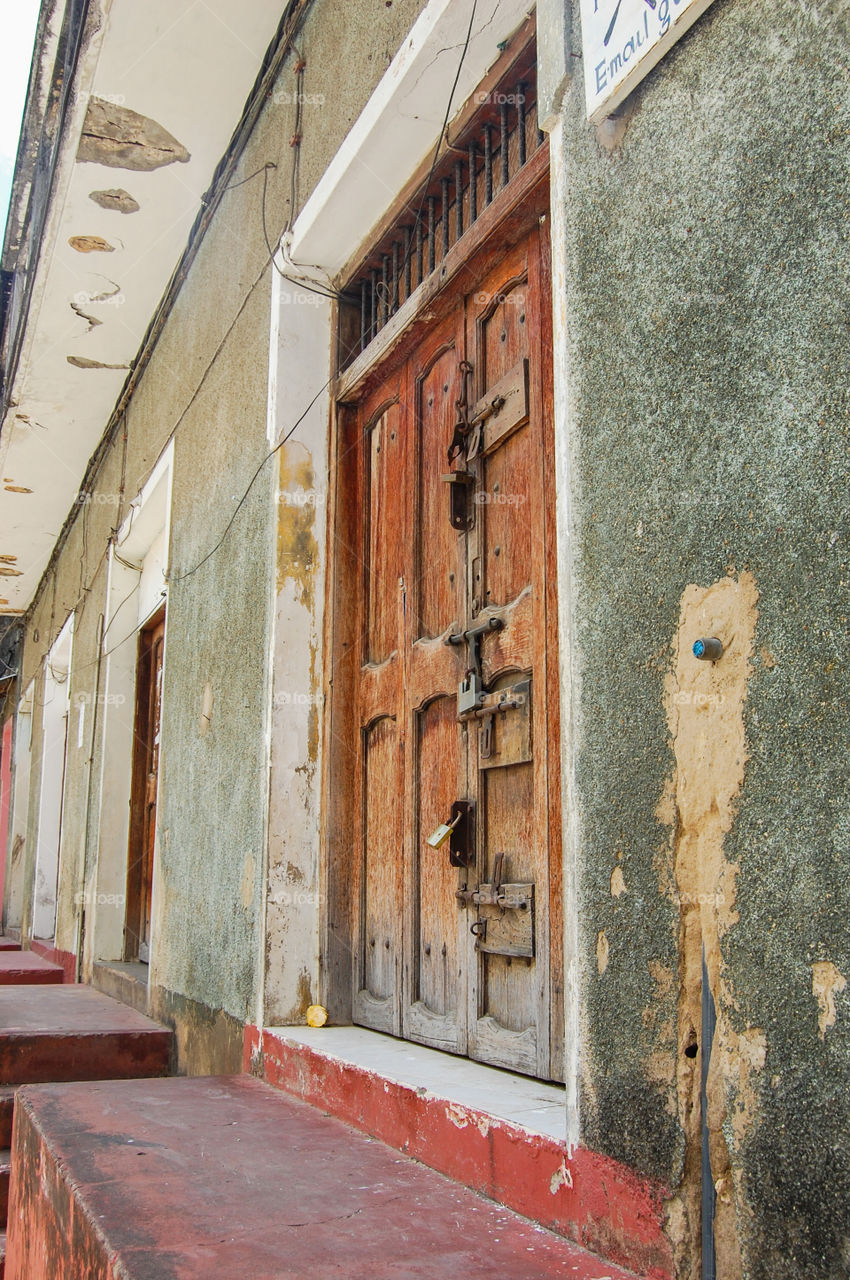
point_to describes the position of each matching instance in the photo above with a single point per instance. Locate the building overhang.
(130, 108)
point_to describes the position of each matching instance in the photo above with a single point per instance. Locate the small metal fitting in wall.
(709, 650)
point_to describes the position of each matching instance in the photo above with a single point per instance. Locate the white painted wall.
(55, 716)
(299, 365)
(19, 830)
(136, 587)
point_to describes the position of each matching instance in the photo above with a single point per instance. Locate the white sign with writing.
(623, 40)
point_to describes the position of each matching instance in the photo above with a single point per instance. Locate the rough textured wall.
(207, 384)
(211, 379)
(706, 278)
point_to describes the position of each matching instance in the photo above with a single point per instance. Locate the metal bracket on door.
(509, 930)
(471, 691)
(461, 506)
(504, 739)
(462, 843)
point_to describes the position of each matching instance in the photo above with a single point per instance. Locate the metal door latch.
(460, 833)
(461, 506)
(508, 927)
(471, 691)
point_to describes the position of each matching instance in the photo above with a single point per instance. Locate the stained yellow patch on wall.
(704, 703)
(826, 981)
(618, 882)
(298, 503)
(602, 951)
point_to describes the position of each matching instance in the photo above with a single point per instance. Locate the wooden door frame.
(524, 203)
(133, 922)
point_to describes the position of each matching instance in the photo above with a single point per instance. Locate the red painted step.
(72, 1032)
(9, 944)
(200, 1177)
(25, 968)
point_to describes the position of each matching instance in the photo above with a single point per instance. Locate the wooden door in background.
(143, 794)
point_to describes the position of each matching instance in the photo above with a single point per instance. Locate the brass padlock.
(439, 837)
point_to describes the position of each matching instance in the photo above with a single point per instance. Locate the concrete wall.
(207, 385)
(706, 377)
(702, 409)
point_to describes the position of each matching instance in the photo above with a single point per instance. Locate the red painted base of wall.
(602, 1205)
(66, 959)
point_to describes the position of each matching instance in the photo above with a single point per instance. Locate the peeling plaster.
(116, 199)
(91, 244)
(83, 362)
(92, 321)
(561, 1178)
(704, 704)
(826, 981)
(123, 139)
(602, 951)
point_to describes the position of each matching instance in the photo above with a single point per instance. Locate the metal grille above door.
(487, 145)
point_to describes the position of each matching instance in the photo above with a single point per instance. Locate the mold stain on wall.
(704, 703)
(297, 549)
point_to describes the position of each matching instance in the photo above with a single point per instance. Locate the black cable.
(271, 251)
(181, 577)
(331, 294)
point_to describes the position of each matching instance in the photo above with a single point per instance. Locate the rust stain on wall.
(704, 703)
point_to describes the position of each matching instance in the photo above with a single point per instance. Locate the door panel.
(506, 533)
(385, 553)
(455, 942)
(436, 542)
(144, 785)
(436, 1011)
(382, 866)
(378, 773)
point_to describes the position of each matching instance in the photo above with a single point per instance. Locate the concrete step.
(498, 1133)
(7, 1111)
(9, 944)
(25, 968)
(226, 1176)
(70, 1032)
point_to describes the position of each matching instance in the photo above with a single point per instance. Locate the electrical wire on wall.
(309, 285)
(324, 387)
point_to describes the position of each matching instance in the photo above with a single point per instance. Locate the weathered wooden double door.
(457, 934)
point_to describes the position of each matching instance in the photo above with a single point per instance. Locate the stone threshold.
(495, 1132)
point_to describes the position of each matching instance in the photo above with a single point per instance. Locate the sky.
(17, 32)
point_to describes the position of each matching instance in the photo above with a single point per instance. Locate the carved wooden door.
(457, 932)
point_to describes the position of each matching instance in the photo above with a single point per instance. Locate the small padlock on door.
(469, 693)
(439, 837)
